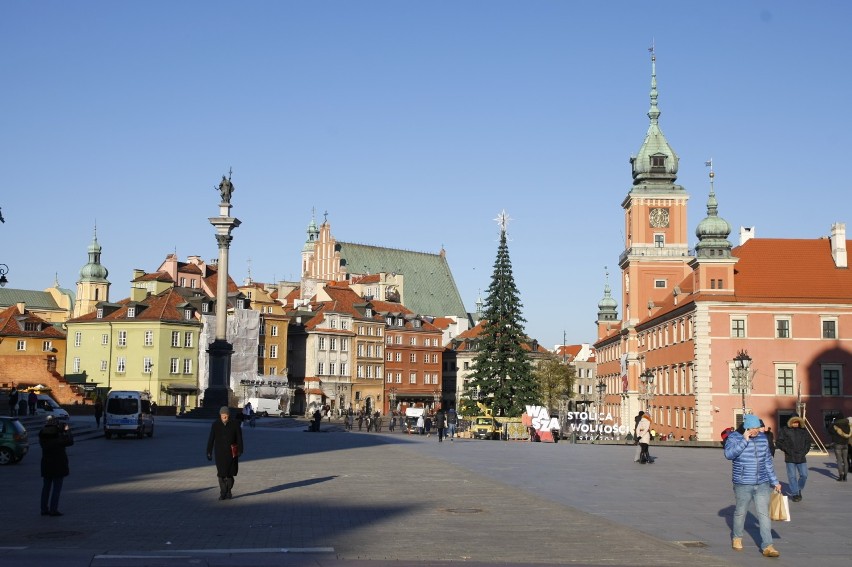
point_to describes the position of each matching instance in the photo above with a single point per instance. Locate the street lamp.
(742, 362)
(436, 396)
(391, 400)
(647, 393)
(601, 387)
(4, 269)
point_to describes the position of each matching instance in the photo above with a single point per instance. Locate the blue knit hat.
(751, 421)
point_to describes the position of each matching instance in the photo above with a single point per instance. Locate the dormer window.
(100, 313)
(369, 312)
(131, 312)
(417, 323)
(187, 314)
(205, 307)
(658, 161)
(389, 320)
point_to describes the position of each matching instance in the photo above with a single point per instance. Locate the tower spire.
(654, 113)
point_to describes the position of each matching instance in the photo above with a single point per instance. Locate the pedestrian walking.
(440, 424)
(13, 401)
(795, 442)
(248, 415)
(225, 443)
(452, 421)
(32, 400)
(421, 424)
(643, 435)
(99, 412)
(360, 420)
(53, 439)
(427, 425)
(636, 420)
(392, 422)
(840, 435)
(753, 476)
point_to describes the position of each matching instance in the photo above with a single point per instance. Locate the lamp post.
(601, 387)
(647, 388)
(742, 363)
(436, 397)
(391, 400)
(4, 269)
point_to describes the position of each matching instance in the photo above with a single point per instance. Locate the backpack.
(725, 432)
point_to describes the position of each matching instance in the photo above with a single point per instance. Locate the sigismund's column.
(220, 350)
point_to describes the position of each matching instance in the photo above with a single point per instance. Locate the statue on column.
(225, 189)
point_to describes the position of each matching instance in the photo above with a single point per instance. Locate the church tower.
(713, 266)
(607, 312)
(656, 254)
(92, 287)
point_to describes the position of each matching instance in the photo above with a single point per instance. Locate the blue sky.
(413, 124)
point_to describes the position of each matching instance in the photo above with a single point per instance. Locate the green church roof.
(429, 286)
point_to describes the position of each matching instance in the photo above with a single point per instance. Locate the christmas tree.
(502, 376)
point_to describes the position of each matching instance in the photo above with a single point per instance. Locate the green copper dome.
(94, 271)
(713, 231)
(607, 307)
(656, 161)
(313, 234)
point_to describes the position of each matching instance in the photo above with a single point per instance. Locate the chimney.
(838, 244)
(746, 234)
(22, 307)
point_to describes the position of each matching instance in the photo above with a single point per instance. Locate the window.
(321, 343)
(785, 381)
(273, 351)
(149, 338)
(658, 161)
(173, 365)
(104, 339)
(369, 371)
(829, 328)
(331, 368)
(782, 328)
(659, 240)
(412, 357)
(187, 339)
(370, 351)
(104, 365)
(192, 283)
(399, 377)
(389, 357)
(131, 312)
(272, 371)
(412, 378)
(412, 341)
(175, 338)
(182, 282)
(261, 351)
(425, 358)
(738, 328)
(390, 377)
(187, 314)
(660, 283)
(100, 313)
(187, 366)
(147, 363)
(30, 326)
(831, 380)
(205, 308)
(344, 324)
(121, 365)
(434, 359)
(399, 357)
(332, 343)
(343, 369)
(273, 330)
(360, 371)
(78, 338)
(389, 340)
(47, 346)
(122, 338)
(333, 322)
(76, 364)
(378, 372)
(360, 329)
(344, 345)
(397, 339)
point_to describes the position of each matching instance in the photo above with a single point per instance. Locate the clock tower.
(656, 256)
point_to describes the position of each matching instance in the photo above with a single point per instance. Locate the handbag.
(234, 450)
(779, 507)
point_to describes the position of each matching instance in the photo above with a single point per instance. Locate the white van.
(267, 406)
(128, 411)
(45, 405)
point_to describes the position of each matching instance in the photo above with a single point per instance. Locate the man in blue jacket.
(754, 480)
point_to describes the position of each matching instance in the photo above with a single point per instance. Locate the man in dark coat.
(99, 412)
(53, 439)
(226, 443)
(440, 424)
(795, 441)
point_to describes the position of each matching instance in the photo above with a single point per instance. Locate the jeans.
(452, 428)
(797, 473)
(841, 454)
(744, 494)
(54, 483)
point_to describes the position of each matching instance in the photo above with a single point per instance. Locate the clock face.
(659, 218)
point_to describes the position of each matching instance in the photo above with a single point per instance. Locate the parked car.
(14, 442)
(128, 412)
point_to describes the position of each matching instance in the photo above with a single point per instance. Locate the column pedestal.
(218, 391)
